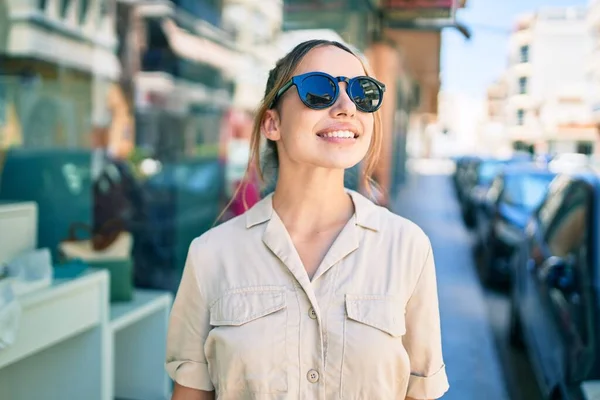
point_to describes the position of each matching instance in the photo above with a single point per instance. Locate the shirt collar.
(366, 212)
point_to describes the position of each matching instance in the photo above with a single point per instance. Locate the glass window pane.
(526, 190)
(138, 133)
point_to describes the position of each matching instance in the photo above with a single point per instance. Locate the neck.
(312, 202)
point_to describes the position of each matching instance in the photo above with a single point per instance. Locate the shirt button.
(312, 313)
(313, 376)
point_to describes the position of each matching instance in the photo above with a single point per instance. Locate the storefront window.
(124, 138)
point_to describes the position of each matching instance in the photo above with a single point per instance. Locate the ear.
(271, 125)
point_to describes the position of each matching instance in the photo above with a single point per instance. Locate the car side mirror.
(558, 273)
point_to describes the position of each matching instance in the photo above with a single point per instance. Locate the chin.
(340, 163)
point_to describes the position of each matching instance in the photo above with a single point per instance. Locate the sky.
(469, 66)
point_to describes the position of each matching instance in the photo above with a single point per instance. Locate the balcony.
(78, 34)
(163, 60)
(160, 60)
(521, 101)
(198, 18)
(207, 10)
(85, 20)
(525, 133)
(271, 9)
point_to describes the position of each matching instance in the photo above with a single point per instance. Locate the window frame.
(520, 116)
(523, 82)
(524, 54)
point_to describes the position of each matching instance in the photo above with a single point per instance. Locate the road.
(479, 361)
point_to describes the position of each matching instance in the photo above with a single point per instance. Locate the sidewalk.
(471, 360)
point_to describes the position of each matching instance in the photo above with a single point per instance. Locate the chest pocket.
(246, 348)
(379, 312)
(374, 360)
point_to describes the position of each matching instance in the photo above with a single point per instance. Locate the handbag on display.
(108, 249)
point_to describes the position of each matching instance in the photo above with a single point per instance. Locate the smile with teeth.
(339, 134)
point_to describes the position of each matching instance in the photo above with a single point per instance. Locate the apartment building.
(548, 96)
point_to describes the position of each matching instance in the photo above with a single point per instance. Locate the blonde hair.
(279, 76)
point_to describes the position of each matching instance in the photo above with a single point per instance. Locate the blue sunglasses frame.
(298, 81)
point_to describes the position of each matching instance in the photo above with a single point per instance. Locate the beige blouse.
(249, 323)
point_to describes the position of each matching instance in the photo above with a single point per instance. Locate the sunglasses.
(319, 90)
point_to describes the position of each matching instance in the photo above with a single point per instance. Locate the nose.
(343, 106)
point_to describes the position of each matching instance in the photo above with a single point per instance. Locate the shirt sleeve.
(188, 328)
(422, 340)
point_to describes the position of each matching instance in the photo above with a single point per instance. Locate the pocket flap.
(381, 312)
(242, 306)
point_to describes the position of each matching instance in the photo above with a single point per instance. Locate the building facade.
(492, 133)
(58, 71)
(593, 61)
(548, 102)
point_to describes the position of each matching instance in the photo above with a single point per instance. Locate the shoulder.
(224, 239)
(405, 237)
(207, 252)
(219, 237)
(394, 230)
(403, 228)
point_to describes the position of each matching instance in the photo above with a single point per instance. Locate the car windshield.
(488, 171)
(526, 190)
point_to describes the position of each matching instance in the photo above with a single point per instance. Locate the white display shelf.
(139, 371)
(591, 390)
(73, 344)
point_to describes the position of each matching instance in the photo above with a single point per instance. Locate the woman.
(315, 292)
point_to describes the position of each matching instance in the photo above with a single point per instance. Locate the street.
(130, 128)
(479, 361)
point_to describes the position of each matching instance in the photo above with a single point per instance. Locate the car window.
(488, 171)
(525, 190)
(568, 237)
(568, 229)
(552, 201)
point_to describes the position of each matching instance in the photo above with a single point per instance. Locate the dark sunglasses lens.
(366, 94)
(318, 91)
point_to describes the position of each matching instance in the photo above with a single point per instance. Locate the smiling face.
(337, 137)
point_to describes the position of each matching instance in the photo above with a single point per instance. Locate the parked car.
(484, 173)
(556, 287)
(502, 214)
(463, 167)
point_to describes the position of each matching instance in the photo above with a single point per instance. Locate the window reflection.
(318, 99)
(132, 127)
(553, 200)
(567, 237)
(525, 190)
(568, 230)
